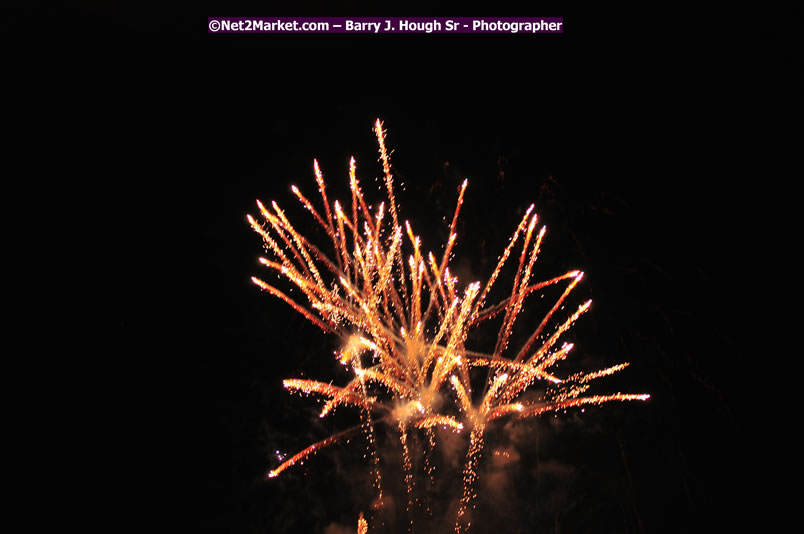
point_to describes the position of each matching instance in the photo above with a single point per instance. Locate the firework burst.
(403, 323)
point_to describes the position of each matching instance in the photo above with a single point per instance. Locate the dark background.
(630, 147)
(654, 153)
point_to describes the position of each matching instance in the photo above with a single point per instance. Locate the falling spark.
(403, 324)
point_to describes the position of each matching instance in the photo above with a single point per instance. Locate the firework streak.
(403, 323)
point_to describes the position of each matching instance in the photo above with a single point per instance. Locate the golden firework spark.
(403, 324)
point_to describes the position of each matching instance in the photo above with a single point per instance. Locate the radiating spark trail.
(312, 449)
(343, 395)
(403, 320)
(275, 292)
(530, 411)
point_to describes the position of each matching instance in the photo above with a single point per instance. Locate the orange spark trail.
(530, 411)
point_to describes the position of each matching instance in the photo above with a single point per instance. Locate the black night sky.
(626, 145)
(653, 154)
